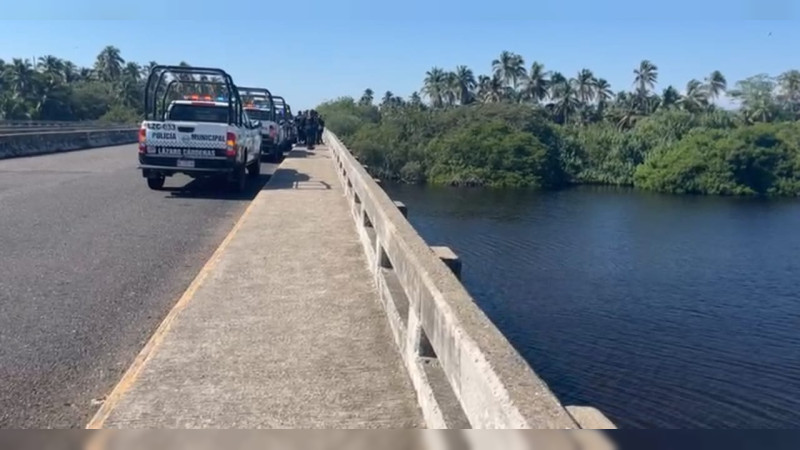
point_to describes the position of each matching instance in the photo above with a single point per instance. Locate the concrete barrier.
(30, 144)
(465, 372)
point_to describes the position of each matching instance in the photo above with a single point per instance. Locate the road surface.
(91, 260)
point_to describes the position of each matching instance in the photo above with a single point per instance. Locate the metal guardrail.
(57, 123)
(38, 126)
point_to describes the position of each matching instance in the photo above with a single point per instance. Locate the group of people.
(309, 128)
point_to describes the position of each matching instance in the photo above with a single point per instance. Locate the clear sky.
(311, 51)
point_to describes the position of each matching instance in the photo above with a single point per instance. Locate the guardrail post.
(402, 207)
(449, 258)
(590, 418)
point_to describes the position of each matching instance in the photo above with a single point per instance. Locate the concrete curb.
(31, 144)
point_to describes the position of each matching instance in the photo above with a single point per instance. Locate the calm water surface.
(662, 311)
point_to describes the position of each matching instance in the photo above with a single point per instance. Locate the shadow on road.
(287, 179)
(217, 189)
(282, 178)
(304, 152)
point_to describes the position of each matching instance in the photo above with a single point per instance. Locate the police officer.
(321, 128)
(301, 127)
(311, 129)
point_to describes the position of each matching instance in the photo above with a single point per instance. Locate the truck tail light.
(142, 138)
(272, 131)
(231, 144)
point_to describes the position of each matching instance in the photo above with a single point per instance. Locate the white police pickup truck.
(270, 131)
(286, 122)
(199, 136)
(260, 105)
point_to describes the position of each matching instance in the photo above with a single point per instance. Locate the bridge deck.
(282, 329)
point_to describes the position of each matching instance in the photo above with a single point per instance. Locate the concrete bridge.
(321, 308)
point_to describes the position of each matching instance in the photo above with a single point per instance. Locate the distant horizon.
(342, 57)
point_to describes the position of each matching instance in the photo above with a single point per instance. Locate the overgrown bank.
(511, 145)
(545, 131)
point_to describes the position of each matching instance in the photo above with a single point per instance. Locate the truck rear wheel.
(155, 183)
(239, 181)
(255, 168)
(270, 155)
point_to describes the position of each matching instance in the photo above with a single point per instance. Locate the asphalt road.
(91, 260)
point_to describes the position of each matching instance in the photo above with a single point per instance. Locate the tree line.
(51, 88)
(531, 127)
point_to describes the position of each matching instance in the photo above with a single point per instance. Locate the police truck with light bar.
(259, 105)
(286, 122)
(200, 135)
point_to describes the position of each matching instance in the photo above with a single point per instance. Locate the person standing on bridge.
(311, 129)
(320, 129)
(301, 127)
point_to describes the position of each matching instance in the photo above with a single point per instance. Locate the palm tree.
(585, 85)
(466, 84)
(627, 110)
(21, 77)
(415, 100)
(716, 84)
(670, 97)
(646, 76)
(387, 98)
(86, 74)
(130, 88)
(567, 103)
(146, 69)
(50, 101)
(789, 85)
(491, 89)
(70, 72)
(51, 65)
(452, 88)
(603, 91)
(536, 83)
(434, 86)
(109, 64)
(789, 90)
(757, 98)
(367, 97)
(645, 80)
(510, 68)
(132, 71)
(187, 80)
(696, 97)
(557, 84)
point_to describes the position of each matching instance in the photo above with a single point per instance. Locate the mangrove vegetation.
(527, 126)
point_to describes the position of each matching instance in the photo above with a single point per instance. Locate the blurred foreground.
(313, 440)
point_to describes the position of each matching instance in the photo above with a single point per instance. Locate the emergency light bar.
(196, 97)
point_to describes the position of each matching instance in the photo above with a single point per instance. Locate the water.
(662, 311)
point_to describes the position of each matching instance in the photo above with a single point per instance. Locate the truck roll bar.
(156, 80)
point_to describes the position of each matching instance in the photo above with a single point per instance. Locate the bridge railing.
(465, 372)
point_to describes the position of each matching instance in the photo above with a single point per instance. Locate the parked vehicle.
(286, 121)
(260, 105)
(199, 135)
(288, 117)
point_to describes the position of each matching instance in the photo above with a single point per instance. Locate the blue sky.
(345, 46)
